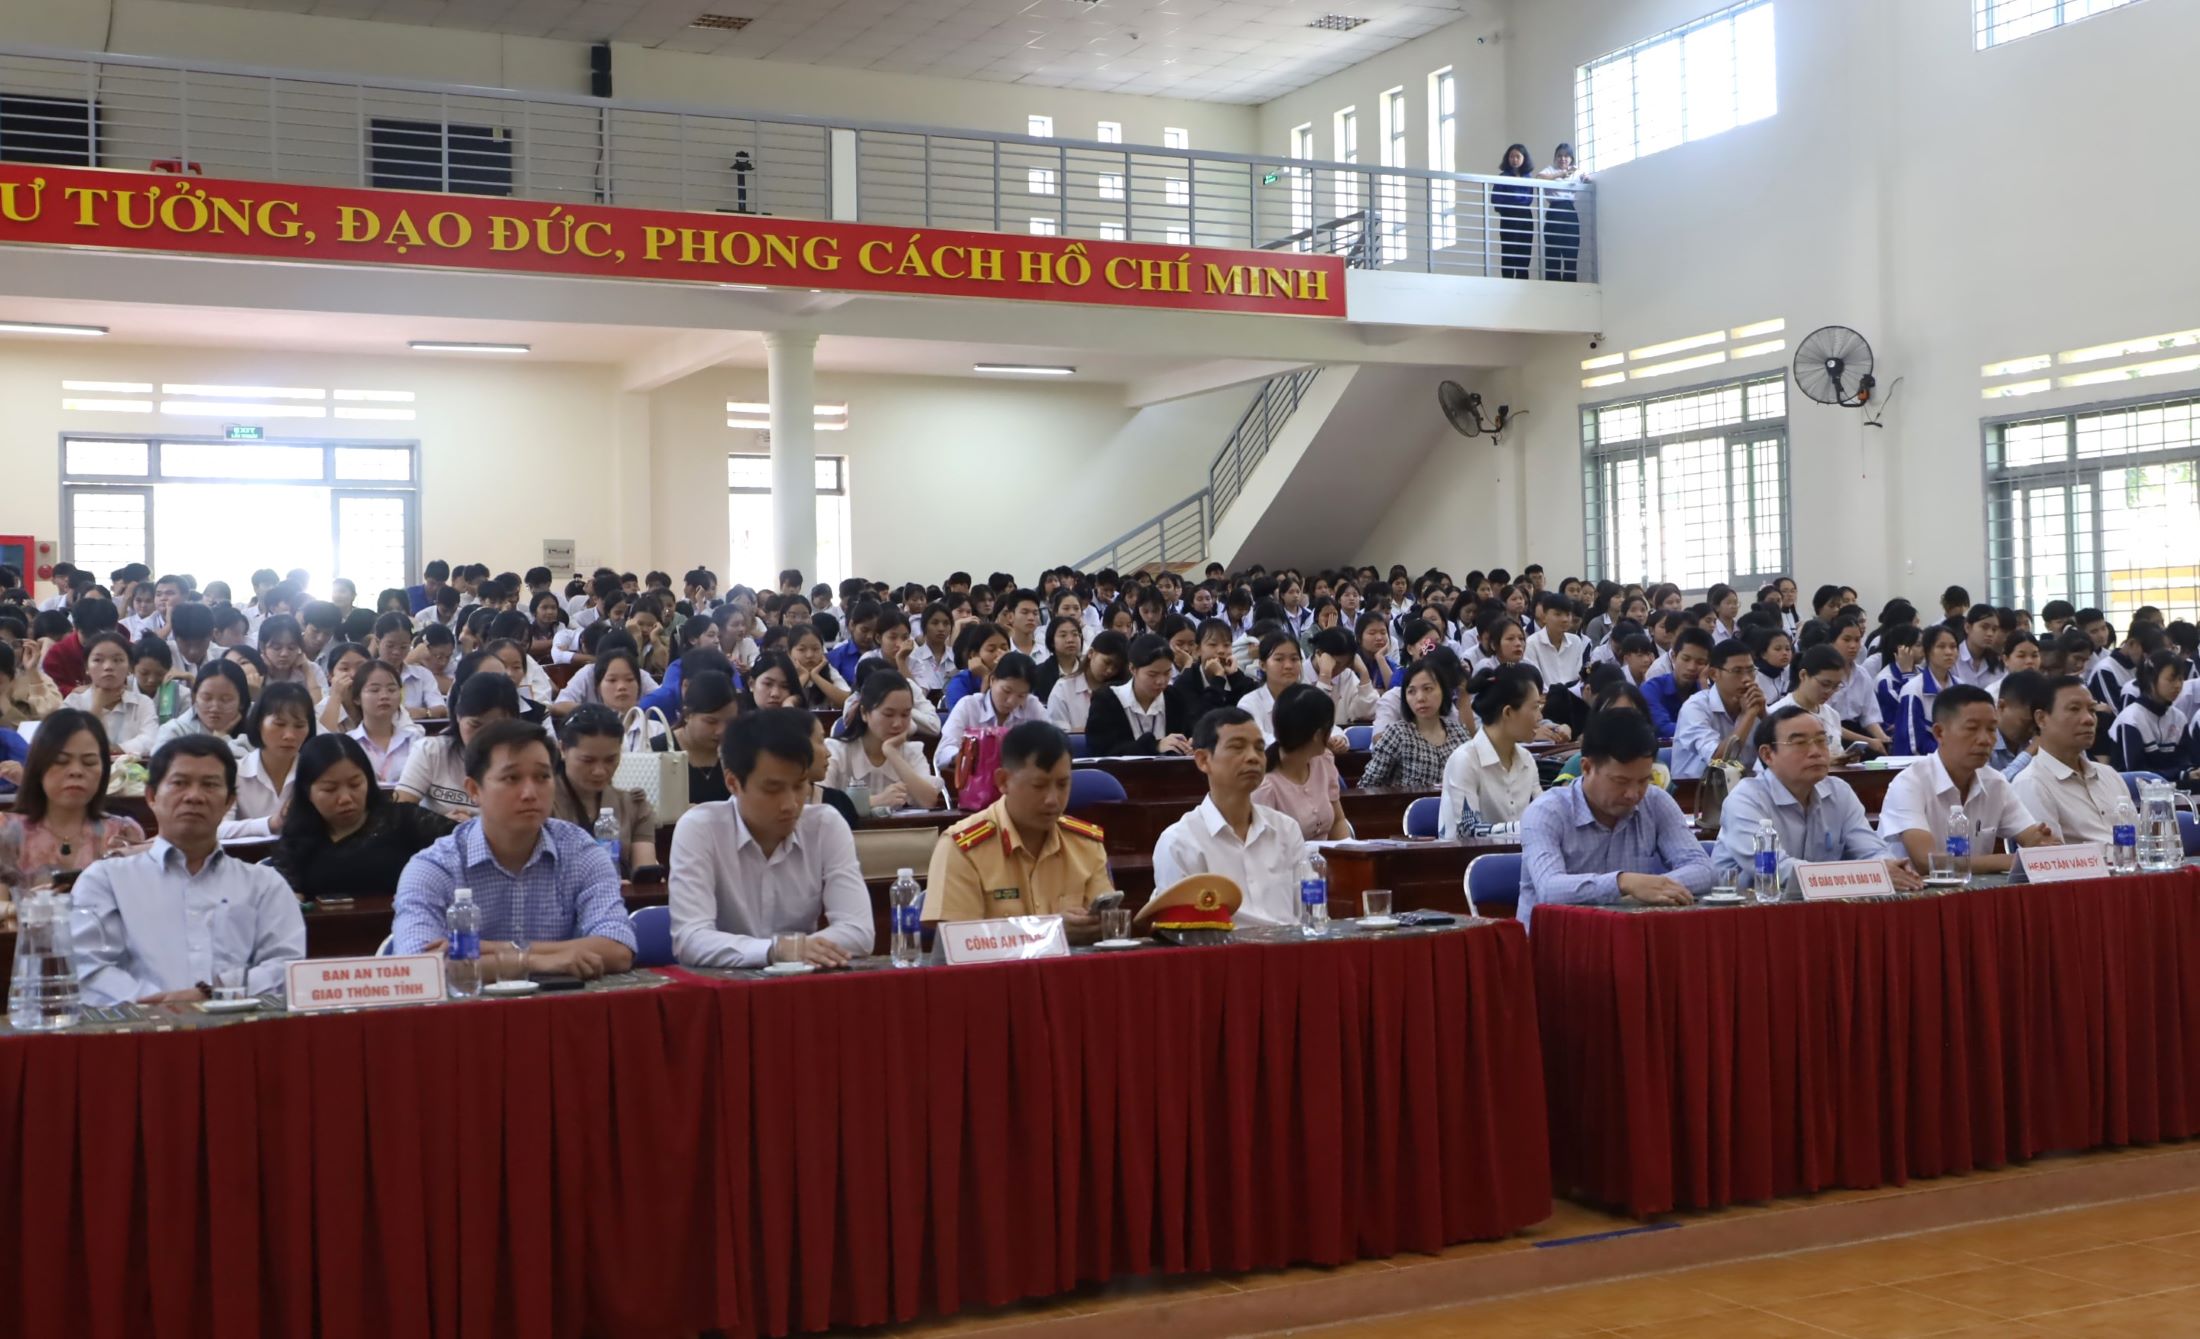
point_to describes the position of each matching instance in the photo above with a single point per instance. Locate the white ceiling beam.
(681, 356)
(1199, 378)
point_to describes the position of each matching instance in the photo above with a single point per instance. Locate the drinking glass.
(511, 963)
(1940, 867)
(229, 983)
(790, 948)
(1375, 904)
(1115, 923)
(1725, 881)
(859, 796)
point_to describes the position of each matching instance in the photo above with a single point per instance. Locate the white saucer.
(790, 968)
(1721, 899)
(243, 1006)
(511, 988)
(1122, 943)
(1378, 922)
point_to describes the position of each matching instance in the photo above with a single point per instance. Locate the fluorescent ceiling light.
(364, 412)
(401, 396)
(1024, 369)
(116, 387)
(1772, 327)
(761, 410)
(231, 409)
(248, 392)
(460, 346)
(1676, 346)
(110, 406)
(46, 328)
(765, 424)
(2017, 366)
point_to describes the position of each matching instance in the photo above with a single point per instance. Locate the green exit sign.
(244, 432)
(1269, 180)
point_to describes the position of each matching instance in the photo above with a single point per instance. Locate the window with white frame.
(1175, 137)
(1443, 155)
(1699, 80)
(1111, 185)
(1346, 133)
(1179, 236)
(1999, 21)
(1111, 232)
(2098, 507)
(1111, 132)
(749, 518)
(1302, 181)
(1690, 487)
(1393, 202)
(220, 509)
(1044, 225)
(1041, 127)
(1040, 180)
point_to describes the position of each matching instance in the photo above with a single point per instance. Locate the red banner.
(134, 211)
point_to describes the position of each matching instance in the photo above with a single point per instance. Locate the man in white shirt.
(1556, 652)
(1257, 848)
(1020, 615)
(2069, 792)
(1817, 815)
(766, 862)
(171, 920)
(1722, 718)
(1913, 819)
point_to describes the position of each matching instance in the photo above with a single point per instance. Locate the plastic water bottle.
(1765, 863)
(607, 835)
(2123, 848)
(1959, 846)
(1314, 896)
(462, 928)
(906, 900)
(171, 701)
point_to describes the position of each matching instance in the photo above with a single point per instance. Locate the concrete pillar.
(792, 362)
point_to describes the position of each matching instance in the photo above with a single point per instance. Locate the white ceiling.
(1238, 51)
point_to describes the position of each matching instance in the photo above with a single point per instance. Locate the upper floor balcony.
(134, 112)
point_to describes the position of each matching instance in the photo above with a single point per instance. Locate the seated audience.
(1005, 703)
(1492, 778)
(978, 648)
(876, 751)
(766, 861)
(1253, 846)
(1065, 653)
(435, 769)
(819, 683)
(2019, 697)
(384, 731)
(59, 821)
(1413, 752)
(344, 836)
(592, 740)
(65, 661)
(2074, 795)
(1069, 703)
(1281, 666)
(1302, 781)
(1556, 651)
(1141, 716)
(2151, 734)
(174, 920)
(1820, 672)
(545, 889)
(1937, 646)
(1913, 818)
(128, 716)
(1334, 675)
(219, 702)
(278, 726)
(1215, 681)
(1716, 723)
(1022, 855)
(1817, 816)
(1612, 836)
(26, 694)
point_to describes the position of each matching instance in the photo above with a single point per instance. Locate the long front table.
(765, 1157)
(1706, 1057)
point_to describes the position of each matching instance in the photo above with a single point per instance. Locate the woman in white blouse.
(1333, 673)
(378, 699)
(1281, 666)
(1492, 778)
(129, 716)
(219, 701)
(279, 725)
(876, 749)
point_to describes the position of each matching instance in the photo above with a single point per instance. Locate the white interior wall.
(1942, 200)
(1474, 48)
(449, 55)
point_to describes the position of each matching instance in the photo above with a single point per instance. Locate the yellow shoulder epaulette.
(973, 835)
(1083, 829)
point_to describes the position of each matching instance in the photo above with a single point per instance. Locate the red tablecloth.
(1701, 1058)
(771, 1157)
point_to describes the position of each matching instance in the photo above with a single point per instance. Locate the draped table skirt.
(771, 1157)
(1700, 1058)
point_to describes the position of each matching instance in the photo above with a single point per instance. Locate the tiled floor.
(2130, 1269)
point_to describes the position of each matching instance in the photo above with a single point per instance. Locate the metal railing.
(225, 120)
(1177, 535)
(1248, 444)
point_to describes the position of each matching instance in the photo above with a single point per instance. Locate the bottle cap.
(905, 873)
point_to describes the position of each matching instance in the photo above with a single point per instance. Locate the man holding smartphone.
(1022, 855)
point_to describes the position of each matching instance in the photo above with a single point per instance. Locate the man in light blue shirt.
(1612, 836)
(1816, 814)
(536, 879)
(168, 922)
(1722, 714)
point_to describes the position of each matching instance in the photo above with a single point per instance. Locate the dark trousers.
(1561, 243)
(1516, 231)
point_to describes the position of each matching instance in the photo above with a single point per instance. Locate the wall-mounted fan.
(1463, 409)
(1833, 365)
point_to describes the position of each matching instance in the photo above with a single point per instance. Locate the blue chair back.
(2131, 783)
(1077, 745)
(2190, 826)
(1360, 738)
(1665, 758)
(1089, 786)
(1492, 881)
(652, 936)
(387, 948)
(1423, 816)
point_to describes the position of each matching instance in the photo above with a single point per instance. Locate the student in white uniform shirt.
(435, 770)
(180, 916)
(582, 688)
(1335, 673)
(1554, 650)
(384, 731)
(219, 701)
(1913, 819)
(877, 749)
(128, 716)
(1492, 778)
(1255, 847)
(931, 661)
(2072, 794)
(191, 639)
(1281, 666)
(1005, 702)
(278, 726)
(1019, 613)
(1818, 677)
(1069, 705)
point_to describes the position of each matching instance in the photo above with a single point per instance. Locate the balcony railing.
(326, 129)
(1248, 445)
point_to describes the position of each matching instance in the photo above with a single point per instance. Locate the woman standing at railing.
(1561, 221)
(1515, 208)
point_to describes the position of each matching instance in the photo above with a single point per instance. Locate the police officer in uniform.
(1021, 855)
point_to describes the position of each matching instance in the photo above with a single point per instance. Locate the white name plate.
(1013, 939)
(364, 983)
(1830, 880)
(2059, 864)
